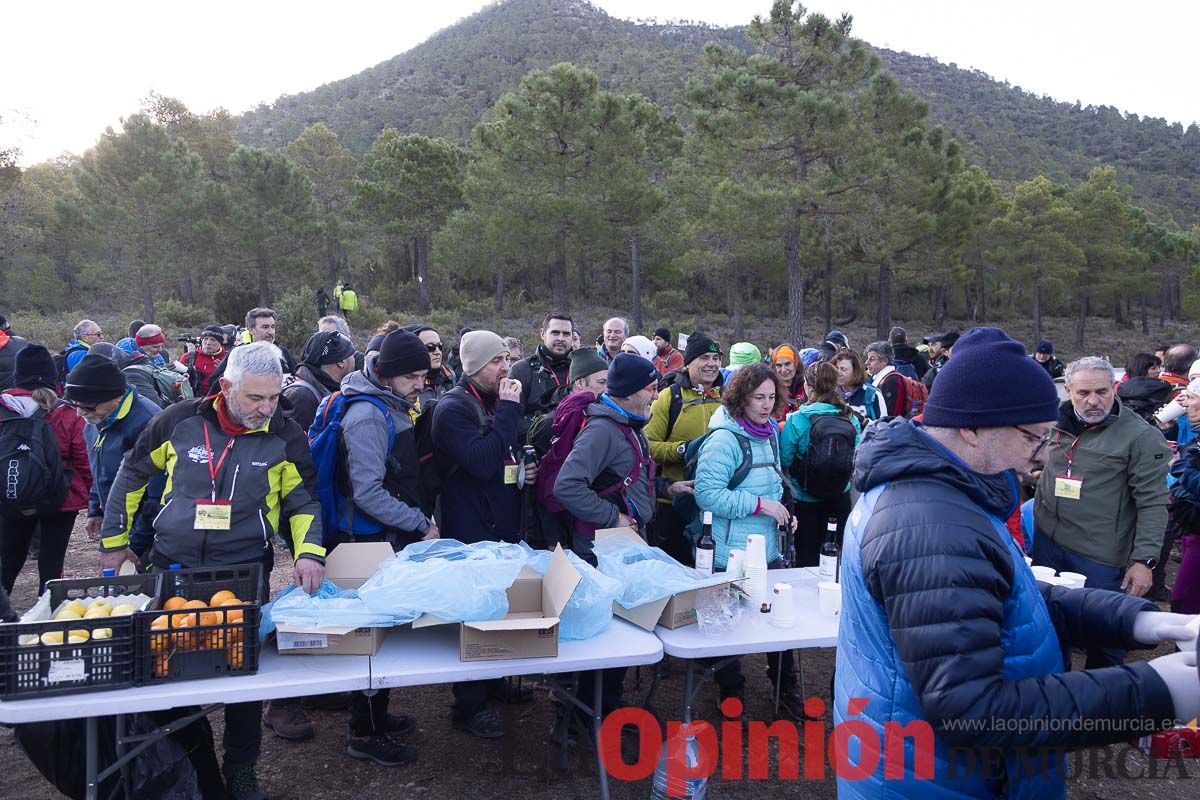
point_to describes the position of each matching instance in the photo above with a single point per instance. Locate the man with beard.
(1101, 507)
(327, 358)
(544, 371)
(236, 468)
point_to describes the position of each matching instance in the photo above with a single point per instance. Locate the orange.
(235, 615)
(174, 603)
(210, 618)
(220, 597)
(159, 622)
(195, 604)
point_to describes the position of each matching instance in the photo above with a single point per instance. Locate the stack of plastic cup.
(783, 606)
(1076, 580)
(1043, 574)
(755, 585)
(735, 567)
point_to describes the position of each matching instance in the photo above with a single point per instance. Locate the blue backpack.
(333, 490)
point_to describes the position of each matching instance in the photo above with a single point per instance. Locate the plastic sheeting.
(645, 573)
(589, 611)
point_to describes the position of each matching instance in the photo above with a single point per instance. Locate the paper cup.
(1170, 412)
(830, 595)
(1043, 574)
(1075, 579)
(783, 606)
(755, 584)
(736, 566)
(756, 551)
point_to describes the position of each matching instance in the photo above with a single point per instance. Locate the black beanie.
(629, 374)
(33, 368)
(401, 353)
(326, 347)
(215, 332)
(663, 333)
(699, 344)
(376, 342)
(94, 380)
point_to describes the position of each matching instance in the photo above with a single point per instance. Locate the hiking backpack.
(325, 442)
(912, 394)
(829, 460)
(564, 426)
(685, 504)
(60, 363)
(1144, 395)
(35, 478)
(169, 385)
(431, 480)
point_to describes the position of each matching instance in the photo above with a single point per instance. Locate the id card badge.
(216, 515)
(1067, 487)
(511, 472)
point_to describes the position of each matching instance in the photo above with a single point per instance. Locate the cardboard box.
(530, 629)
(671, 612)
(348, 567)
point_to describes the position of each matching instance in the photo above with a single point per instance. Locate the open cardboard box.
(348, 566)
(675, 611)
(530, 629)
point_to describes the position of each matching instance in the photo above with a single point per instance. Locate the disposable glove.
(1155, 627)
(1178, 672)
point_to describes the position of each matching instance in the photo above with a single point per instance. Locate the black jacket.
(919, 361)
(540, 375)
(8, 355)
(311, 386)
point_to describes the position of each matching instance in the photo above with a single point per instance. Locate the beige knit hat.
(477, 348)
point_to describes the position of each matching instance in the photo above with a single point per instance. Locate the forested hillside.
(444, 86)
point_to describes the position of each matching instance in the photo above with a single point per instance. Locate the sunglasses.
(434, 347)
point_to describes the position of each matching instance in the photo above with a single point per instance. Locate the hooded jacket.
(600, 457)
(911, 355)
(383, 484)
(1121, 514)
(437, 383)
(139, 373)
(267, 475)
(312, 385)
(68, 430)
(734, 516)
(477, 505)
(793, 441)
(540, 375)
(9, 346)
(201, 367)
(943, 623)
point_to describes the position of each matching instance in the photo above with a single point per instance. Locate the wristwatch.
(1148, 563)
(682, 448)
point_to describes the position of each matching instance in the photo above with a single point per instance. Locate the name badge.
(511, 471)
(213, 516)
(1067, 487)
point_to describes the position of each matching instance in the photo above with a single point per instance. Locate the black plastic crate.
(34, 664)
(205, 642)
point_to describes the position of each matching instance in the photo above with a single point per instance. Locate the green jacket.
(1121, 514)
(692, 423)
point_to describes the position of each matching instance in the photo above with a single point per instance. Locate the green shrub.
(174, 316)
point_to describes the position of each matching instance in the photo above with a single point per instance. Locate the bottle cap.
(708, 518)
(108, 572)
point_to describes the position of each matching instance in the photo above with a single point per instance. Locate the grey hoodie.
(364, 434)
(602, 447)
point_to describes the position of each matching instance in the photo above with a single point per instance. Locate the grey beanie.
(477, 348)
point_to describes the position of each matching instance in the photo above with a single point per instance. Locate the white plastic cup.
(783, 606)
(1170, 412)
(1043, 574)
(735, 567)
(756, 551)
(1076, 580)
(755, 584)
(830, 596)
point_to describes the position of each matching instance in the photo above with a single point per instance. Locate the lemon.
(68, 613)
(102, 633)
(123, 610)
(97, 611)
(75, 605)
(27, 640)
(77, 637)
(52, 637)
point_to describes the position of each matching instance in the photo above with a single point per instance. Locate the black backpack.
(431, 481)
(829, 461)
(60, 362)
(685, 504)
(1144, 395)
(35, 479)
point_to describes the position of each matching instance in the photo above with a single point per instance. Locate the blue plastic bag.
(645, 573)
(451, 580)
(589, 611)
(329, 605)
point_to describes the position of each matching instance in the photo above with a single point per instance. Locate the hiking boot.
(399, 724)
(484, 724)
(383, 750)
(510, 694)
(241, 783)
(287, 720)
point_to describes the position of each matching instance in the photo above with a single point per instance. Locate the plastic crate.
(201, 643)
(31, 667)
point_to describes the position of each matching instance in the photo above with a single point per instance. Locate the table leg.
(125, 781)
(779, 682)
(688, 692)
(597, 713)
(92, 790)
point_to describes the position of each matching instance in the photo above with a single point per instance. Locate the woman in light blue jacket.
(753, 505)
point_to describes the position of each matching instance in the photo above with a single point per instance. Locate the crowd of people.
(959, 452)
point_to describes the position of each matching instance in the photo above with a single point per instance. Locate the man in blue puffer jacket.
(944, 625)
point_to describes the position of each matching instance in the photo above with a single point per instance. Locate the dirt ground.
(525, 764)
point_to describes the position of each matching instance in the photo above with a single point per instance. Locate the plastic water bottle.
(679, 788)
(177, 581)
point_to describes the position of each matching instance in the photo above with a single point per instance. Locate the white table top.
(753, 633)
(277, 676)
(430, 655)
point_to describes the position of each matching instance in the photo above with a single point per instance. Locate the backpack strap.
(301, 382)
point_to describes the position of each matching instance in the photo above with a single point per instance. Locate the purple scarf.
(764, 431)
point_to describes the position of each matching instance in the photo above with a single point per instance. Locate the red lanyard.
(214, 471)
(1070, 450)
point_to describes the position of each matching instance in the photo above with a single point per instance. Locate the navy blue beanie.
(629, 374)
(990, 382)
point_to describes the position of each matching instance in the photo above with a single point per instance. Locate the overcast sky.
(70, 68)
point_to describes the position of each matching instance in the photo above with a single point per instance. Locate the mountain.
(444, 86)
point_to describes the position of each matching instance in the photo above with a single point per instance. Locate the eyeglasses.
(81, 407)
(434, 347)
(96, 334)
(1042, 441)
